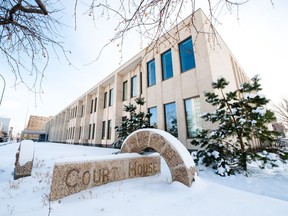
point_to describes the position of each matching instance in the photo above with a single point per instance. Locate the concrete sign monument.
(177, 157)
(73, 177)
(24, 159)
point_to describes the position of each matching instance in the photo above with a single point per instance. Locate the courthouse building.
(172, 74)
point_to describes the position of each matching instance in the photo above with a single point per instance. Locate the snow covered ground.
(264, 192)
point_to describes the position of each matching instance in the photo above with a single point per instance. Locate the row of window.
(187, 62)
(192, 116)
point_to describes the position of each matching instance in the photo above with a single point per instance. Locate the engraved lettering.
(86, 178)
(132, 169)
(72, 177)
(105, 175)
(97, 176)
(114, 173)
(139, 169)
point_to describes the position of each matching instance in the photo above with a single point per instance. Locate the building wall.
(212, 59)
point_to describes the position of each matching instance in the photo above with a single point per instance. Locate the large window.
(167, 69)
(111, 97)
(105, 99)
(80, 130)
(125, 90)
(82, 110)
(153, 118)
(151, 73)
(103, 129)
(193, 116)
(134, 86)
(109, 129)
(91, 108)
(95, 104)
(186, 55)
(93, 131)
(89, 132)
(171, 119)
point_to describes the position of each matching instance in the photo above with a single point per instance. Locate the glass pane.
(186, 55)
(167, 69)
(134, 86)
(193, 116)
(171, 119)
(110, 97)
(151, 73)
(153, 119)
(125, 90)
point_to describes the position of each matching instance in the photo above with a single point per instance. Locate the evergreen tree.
(240, 115)
(134, 121)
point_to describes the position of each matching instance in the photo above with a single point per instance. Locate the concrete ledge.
(72, 177)
(24, 159)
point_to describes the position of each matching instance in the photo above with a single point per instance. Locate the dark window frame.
(183, 61)
(164, 65)
(134, 88)
(151, 73)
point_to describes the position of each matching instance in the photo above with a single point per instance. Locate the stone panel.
(177, 157)
(69, 178)
(24, 159)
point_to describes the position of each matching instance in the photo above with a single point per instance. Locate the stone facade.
(72, 177)
(90, 119)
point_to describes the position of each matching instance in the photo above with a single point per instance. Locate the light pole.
(3, 89)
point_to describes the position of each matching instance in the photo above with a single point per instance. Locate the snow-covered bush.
(241, 116)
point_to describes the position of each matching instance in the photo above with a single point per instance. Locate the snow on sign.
(73, 177)
(24, 159)
(177, 157)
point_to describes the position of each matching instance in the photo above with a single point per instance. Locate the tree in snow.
(281, 111)
(28, 33)
(241, 116)
(134, 121)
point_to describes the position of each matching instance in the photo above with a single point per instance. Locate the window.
(171, 119)
(186, 52)
(91, 108)
(82, 110)
(109, 129)
(167, 69)
(105, 99)
(95, 105)
(111, 97)
(89, 132)
(125, 90)
(134, 86)
(103, 129)
(151, 73)
(80, 130)
(93, 131)
(141, 90)
(193, 116)
(153, 118)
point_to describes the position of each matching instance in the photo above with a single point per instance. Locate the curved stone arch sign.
(177, 157)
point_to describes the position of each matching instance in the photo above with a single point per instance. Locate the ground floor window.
(193, 116)
(171, 119)
(103, 129)
(154, 117)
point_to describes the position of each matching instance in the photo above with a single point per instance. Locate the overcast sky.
(258, 40)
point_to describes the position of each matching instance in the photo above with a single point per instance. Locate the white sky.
(258, 41)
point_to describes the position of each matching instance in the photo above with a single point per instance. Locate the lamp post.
(3, 89)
